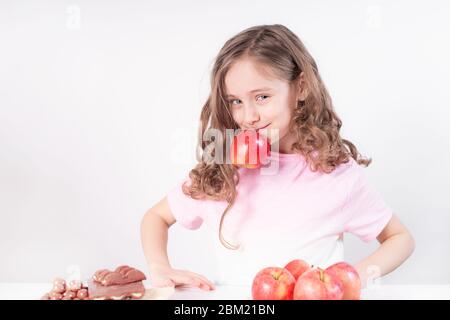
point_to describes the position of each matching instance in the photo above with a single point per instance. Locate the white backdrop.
(91, 91)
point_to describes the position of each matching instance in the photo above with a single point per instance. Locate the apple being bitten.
(349, 278)
(297, 267)
(249, 149)
(318, 284)
(273, 283)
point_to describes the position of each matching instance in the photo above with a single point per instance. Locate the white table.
(32, 291)
(375, 292)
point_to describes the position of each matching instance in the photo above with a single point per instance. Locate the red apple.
(349, 278)
(249, 149)
(318, 284)
(273, 283)
(297, 267)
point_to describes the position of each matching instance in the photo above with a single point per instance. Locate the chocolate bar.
(134, 290)
(122, 275)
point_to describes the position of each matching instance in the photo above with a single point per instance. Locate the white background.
(99, 107)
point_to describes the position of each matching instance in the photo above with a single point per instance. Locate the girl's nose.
(251, 115)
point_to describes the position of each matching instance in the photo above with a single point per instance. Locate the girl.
(264, 78)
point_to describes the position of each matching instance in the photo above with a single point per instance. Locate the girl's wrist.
(159, 265)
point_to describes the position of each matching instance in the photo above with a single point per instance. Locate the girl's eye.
(262, 96)
(231, 101)
(233, 104)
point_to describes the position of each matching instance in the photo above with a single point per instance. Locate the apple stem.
(277, 276)
(321, 274)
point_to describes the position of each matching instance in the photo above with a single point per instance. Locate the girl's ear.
(302, 87)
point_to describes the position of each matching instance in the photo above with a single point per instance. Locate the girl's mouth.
(263, 127)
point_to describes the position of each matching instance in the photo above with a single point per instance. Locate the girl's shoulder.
(346, 169)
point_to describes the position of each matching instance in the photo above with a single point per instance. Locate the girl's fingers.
(182, 279)
(191, 280)
(205, 287)
(202, 284)
(209, 283)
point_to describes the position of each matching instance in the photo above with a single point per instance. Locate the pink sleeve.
(365, 212)
(187, 211)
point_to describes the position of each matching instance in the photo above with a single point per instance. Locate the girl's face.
(259, 100)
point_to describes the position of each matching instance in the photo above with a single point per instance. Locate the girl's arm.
(154, 234)
(397, 245)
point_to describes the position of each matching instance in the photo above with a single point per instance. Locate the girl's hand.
(165, 276)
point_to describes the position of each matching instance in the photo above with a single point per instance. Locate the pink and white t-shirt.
(292, 213)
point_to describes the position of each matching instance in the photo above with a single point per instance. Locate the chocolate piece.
(45, 297)
(59, 285)
(82, 293)
(122, 275)
(74, 285)
(59, 281)
(134, 290)
(70, 294)
(55, 296)
(59, 288)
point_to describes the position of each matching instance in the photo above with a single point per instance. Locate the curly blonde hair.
(315, 122)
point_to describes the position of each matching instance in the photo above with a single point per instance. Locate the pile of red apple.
(300, 281)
